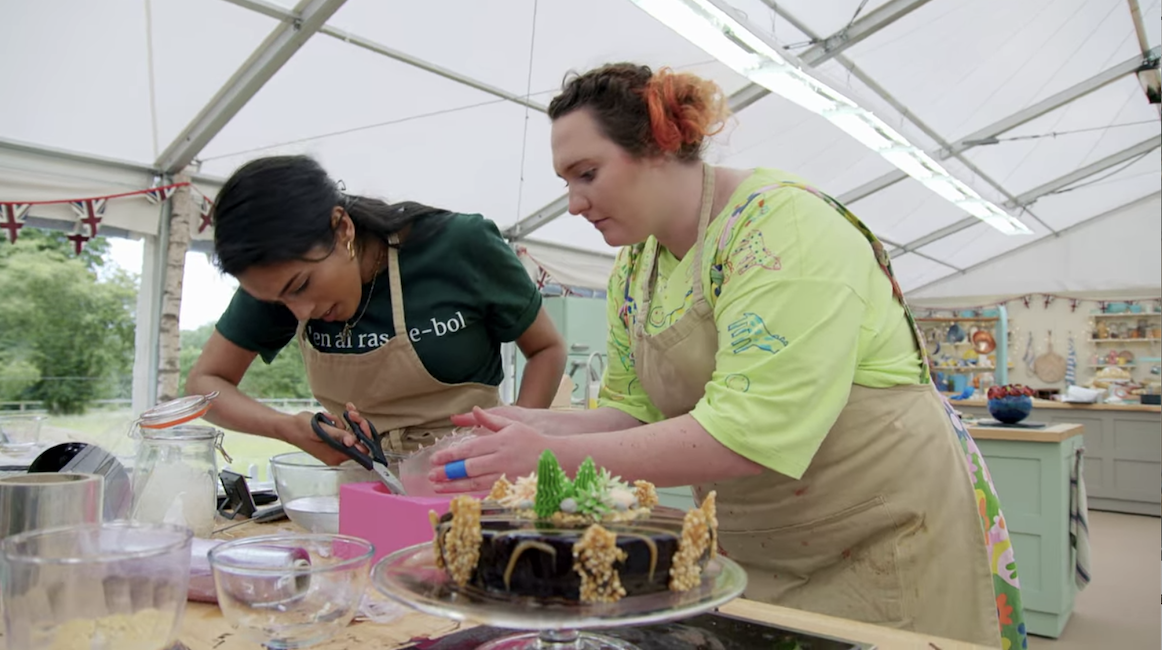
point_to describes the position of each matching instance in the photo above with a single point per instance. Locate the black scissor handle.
(374, 443)
(363, 459)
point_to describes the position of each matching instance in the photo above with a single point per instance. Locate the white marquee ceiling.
(427, 101)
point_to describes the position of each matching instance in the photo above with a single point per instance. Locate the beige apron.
(883, 525)
(389, 385)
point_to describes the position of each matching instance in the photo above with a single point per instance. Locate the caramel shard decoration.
(647, 494)
(462, 541)
(500, 489)
(710, 509)
(593, 558)
(437, 546)
(699, 528)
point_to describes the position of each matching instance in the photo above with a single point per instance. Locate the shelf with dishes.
(976, 319)
(964, 350)
(966, 369)
(961, 344)
(1106, 328)
(1129, 314)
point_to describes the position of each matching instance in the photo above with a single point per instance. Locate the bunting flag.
(158, 195)
(78, 240)
(1027, 300)
(89, 214)
(205, 210)
(12, 217)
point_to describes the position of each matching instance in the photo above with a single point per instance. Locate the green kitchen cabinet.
(581, 322)
(1032, 478)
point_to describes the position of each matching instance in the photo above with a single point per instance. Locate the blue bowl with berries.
(1010, 403)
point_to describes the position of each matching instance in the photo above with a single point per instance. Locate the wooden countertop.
(1049, 404)
(204, 628)
(1051, 433)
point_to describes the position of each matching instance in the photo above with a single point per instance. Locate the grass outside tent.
(109, 428)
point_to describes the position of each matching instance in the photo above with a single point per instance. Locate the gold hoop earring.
(351, 248)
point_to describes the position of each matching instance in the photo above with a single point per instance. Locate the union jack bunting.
(205, 209)
(89, 214)
(159, 194)
(78, 242)
(12, 218)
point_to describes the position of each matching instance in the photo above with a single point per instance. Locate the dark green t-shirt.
(464, 293)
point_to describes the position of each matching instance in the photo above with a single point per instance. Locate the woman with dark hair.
(399, 309)
(760, 347)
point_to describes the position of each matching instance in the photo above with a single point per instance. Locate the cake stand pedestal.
(410, 576)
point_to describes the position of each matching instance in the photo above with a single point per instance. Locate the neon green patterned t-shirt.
(803, 312)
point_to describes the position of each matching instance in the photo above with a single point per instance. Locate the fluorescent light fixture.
(784, 82)
(978, 209)
(909, 159)
(1004, 223)
(715, 27)
(859, 128)
(946, 187)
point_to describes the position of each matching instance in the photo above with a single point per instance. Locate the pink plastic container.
(390, 522)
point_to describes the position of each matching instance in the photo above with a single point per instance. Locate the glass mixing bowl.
(112, 586)
(309, 489)
(291, 591)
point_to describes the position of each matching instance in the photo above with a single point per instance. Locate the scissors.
(376, 461)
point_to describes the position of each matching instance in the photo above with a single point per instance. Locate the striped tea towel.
(1071, 364)
(1079, 521)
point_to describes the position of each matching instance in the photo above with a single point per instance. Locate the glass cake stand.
(411, 577)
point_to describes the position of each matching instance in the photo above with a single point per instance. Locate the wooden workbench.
(204, 628)
(1052, 433)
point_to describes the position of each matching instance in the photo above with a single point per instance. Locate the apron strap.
(397, 315)
(699, 245)
(703, 224)
(885, 264)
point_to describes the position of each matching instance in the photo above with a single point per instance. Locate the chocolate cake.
(589, 539)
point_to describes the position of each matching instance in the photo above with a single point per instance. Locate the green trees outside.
(284, 378)
(67, 329)
(66, 322)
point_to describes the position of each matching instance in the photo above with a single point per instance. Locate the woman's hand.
(502, 446)
(358, 421)
(300, 433)
(512, 413)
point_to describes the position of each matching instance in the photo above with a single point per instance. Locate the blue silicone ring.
(456, 470)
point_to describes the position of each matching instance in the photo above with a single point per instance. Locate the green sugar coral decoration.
(591, 490)
(586, 480)
(553, 486)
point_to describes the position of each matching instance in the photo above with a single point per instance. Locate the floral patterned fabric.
(1006, 585)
